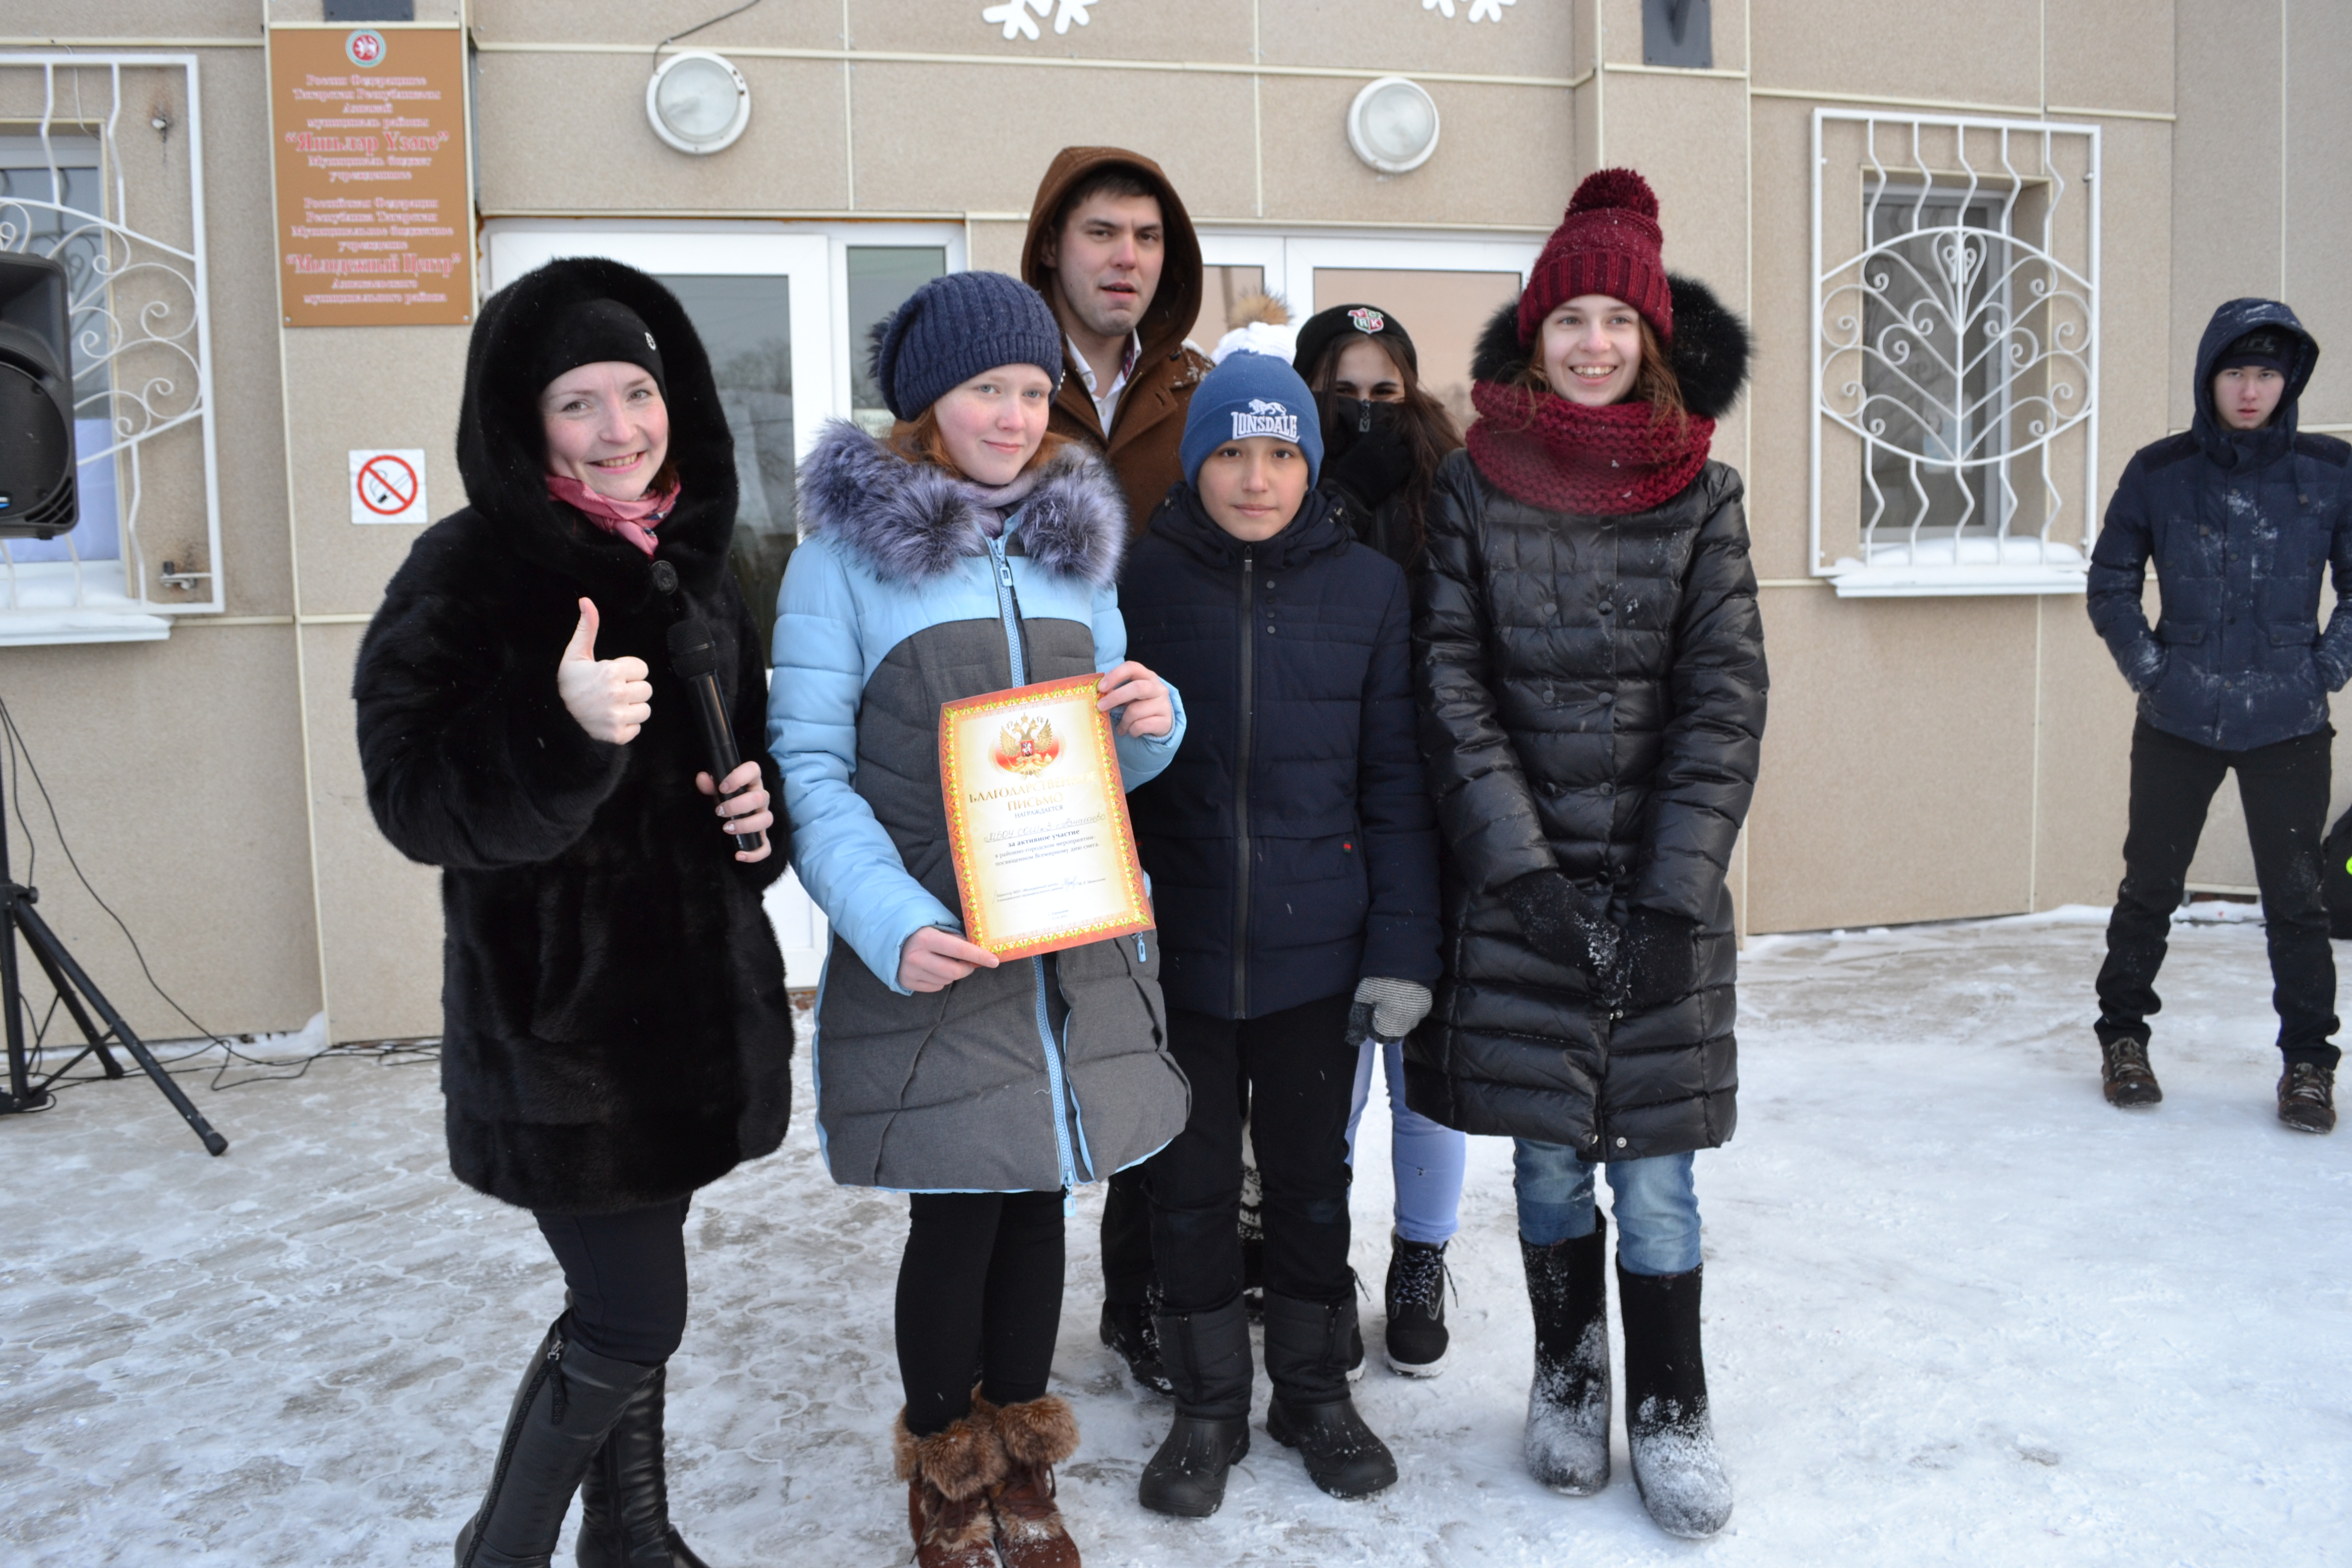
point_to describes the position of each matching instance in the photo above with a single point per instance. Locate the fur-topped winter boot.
(947, 1476)
(1037, 1435)
(1568, 1403)
(1666, 1425)
(625, 1497)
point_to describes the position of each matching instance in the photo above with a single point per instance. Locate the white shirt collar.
(1107, 402)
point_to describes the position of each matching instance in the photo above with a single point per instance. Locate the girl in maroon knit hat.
(1590, 673)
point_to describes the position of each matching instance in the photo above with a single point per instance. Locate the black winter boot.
(1568, 1403)
(1208, 1359)
(624, 1496)
(2306, 1096)
(1666, 1426)
(2124, 1075)
(569, 1400)
(1307, 1353)
(1131, 1328)
(1416, 1298)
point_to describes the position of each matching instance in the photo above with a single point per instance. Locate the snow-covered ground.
(1959, 1311)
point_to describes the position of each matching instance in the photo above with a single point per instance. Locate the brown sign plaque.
(376, 214)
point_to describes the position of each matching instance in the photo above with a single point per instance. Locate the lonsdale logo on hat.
(1366, 320)
(1264, 418)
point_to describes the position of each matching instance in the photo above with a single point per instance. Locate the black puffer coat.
(1289, 844)
(616, 1032)
(1592, 695)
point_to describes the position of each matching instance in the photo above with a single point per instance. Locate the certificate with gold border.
(1044, 854)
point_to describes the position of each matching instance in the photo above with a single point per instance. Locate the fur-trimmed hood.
(907, 522)
(1709, 349)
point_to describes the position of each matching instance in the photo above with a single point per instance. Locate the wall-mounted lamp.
(697, 102)
(1393, 125)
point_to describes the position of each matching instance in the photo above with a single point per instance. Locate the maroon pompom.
(1615, 188)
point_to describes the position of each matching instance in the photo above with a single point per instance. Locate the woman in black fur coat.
(615, 1029)
(1591, 693)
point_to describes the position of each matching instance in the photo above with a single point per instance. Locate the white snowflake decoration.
(1015, 16)
(1480, 10)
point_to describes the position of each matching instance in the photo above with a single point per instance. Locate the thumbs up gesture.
(611, 698)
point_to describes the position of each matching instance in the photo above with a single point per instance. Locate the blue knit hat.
(955, 326)
(1251, 395)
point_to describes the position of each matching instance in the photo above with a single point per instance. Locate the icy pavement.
(1959, 1311)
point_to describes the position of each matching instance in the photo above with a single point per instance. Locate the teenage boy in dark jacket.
(2242, 517)
(1293, 858)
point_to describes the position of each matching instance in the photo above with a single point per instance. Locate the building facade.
(1976, 245)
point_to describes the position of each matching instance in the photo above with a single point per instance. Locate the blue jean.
(1654, 1201)
(1428, 1159)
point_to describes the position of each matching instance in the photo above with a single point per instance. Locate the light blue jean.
(1654, 1201)
(1428, 1158)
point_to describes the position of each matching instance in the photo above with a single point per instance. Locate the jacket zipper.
(1008, 606)
(1241, 783)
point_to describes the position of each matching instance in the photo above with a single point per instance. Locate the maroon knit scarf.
(1565, 456)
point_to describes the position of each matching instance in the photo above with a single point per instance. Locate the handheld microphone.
(693, 659)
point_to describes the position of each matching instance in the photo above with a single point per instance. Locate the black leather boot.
(1307, 1346)
(1208, 1359)
(570, 1399)
(1568, 1403)
(624, 1496)
(1666, 1425)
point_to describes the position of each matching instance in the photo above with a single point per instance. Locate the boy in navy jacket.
(1293, 859)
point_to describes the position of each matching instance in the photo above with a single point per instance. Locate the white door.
(765, 303)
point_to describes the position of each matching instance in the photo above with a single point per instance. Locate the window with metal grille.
(1956, 364)
(130, 234)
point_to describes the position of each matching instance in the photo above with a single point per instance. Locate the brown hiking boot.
(2306, 1097)
(947, 1476)
(1037, 1435)
(2124, 1074)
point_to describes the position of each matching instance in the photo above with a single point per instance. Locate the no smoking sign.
(389, 486)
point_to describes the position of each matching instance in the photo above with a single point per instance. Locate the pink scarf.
(633, 521)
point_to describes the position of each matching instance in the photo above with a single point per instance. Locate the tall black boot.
(569, 1400)
(1672, 1442)
(1308, 1349)
(1208, 1360)
(1568, 1403)
(624, 1496)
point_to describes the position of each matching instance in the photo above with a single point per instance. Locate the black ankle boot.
(1666, 1425)
(1129, 1327)
(1415, 1297)
(570, 1399)
(1567, 1443)
(1208, 1360)
(1307, 1346)
(624, 1496)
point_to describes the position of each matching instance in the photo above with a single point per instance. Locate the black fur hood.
(1709, 350)
(501, 455)
(908, 523)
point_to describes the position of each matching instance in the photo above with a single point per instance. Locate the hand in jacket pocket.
(611, 698)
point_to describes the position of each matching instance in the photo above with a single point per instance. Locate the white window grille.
(1955, 362)
(131, 231)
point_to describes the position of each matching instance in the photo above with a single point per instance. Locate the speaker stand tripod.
(74, 988)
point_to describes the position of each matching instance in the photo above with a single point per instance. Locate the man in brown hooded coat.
(1113, 252)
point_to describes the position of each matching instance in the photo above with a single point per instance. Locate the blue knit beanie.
(1251, 395)
(955, 326)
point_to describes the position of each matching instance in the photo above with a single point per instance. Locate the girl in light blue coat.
(967, 553)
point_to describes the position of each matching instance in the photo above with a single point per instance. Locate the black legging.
(980, 1287)
(626, 1273)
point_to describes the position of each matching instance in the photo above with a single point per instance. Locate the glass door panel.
(880, 278)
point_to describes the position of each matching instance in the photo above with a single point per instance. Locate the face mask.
(1353, 419)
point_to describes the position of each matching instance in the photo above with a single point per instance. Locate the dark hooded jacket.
(2242, 527)
(616, 1029)
(1592, 699)
(1148, 423)
(1290, 844)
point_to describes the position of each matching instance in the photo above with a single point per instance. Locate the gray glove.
(1386, 1010)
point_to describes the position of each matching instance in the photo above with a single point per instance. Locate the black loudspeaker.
(37, 497)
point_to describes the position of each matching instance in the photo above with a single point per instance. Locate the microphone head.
(691, 651)
(664, 578)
